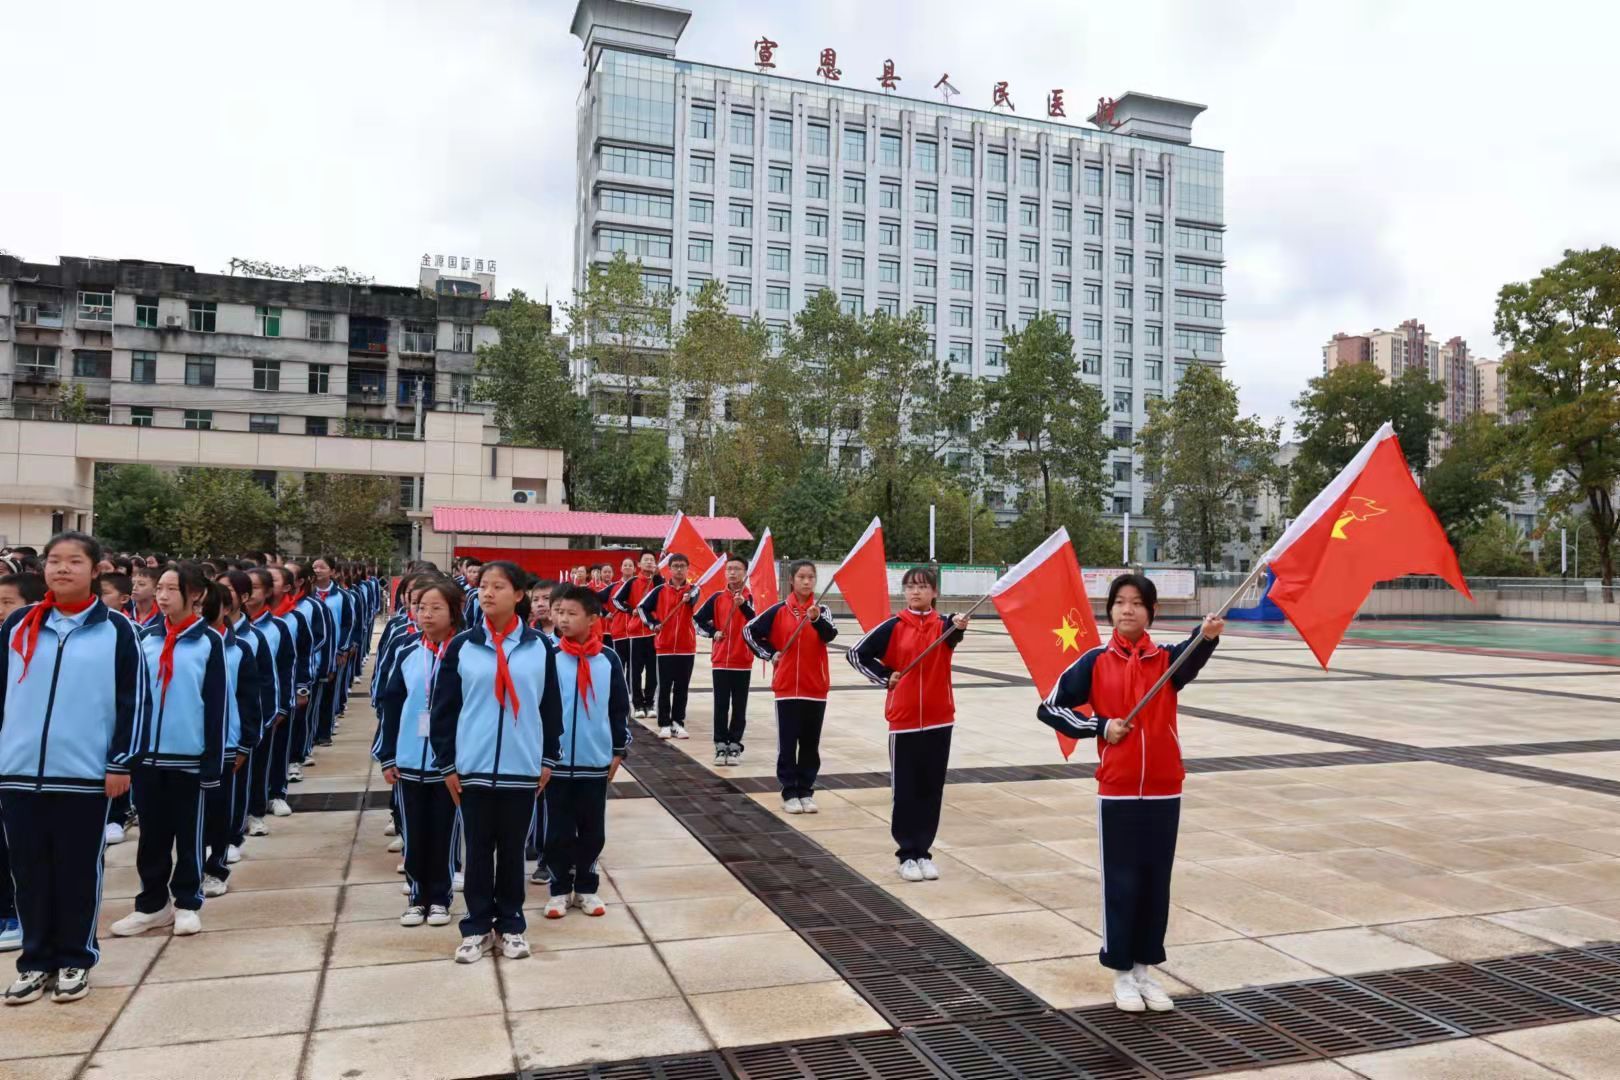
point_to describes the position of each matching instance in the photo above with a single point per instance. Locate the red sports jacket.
(667, 610)
(627, 598)
(726, 613)
(922, 698)
(801, 670)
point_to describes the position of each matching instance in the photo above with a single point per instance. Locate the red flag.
(1043, 605)
(762, 573)
(684, 538)
(1370, 524)
(863, 578)
(711, 581)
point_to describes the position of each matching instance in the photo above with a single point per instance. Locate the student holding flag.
(639, 637)
(666, 610)
(800, 682)
(721, 619)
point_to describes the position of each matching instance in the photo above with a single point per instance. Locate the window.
(1093, 180)
(889, 149)
(889, 234)
(781, 133)
(264, 423)
(815, 184)
(1092, 259)
(1062, 255)
(1153, 370)
(925, 156)
(1091, 294)
(1153, 189)
(655, 282)
(1123, 434)
(995, 247)
(1029, 170)
(1197, 273)
(995, 283)
(202, 315)
(778, 220)
(267, 374)
(889, 305)
(776, 297)
(1203, 341)
(815, 224)
(1029, 287)
(1062, 219)
(699, 250)
(815, 262)
(1093, 223)
(855, 230)
(855, 144)
(146, 311)
(417, 337)
(1091, 364)
(779, 180)
(656, 164)
(855, 190)
(995, 166)
(888, 195)
(852, 267)
(776, 259)
(740, 255)
(1122, 297)
(1155, 231)
(742, 127)
(961, 160)
(695, 284)
(700, 211)
(1122, 367)
(95, 307)
(140, 416)
(199, 371)
(1122, 504)
(461, 338)
(1124, 187)
(1029, 214)
(1122, 333)
(924, 275)
(199, 419)
(925, 200)
(925, 239)
(1122, 472)
(320, 378)
(315, 425)
(637, 203)
(995, 356)
(995, 209)
(962, 205)
(739, 293)
(742, 174)
(1154, 300)
(1187, 236)
(92, 364)
(852, 304)
(1198, 307)
(1061, 292)
(961, 243)
(320, 324)
(143, 367)
(1091, 330)
(702, 125)
(1124, 262)
(1122, 401)
(959, 354)
(634, 242)
(995, 318)
(962, 316)
(818, 140)
(1153, 266)
(740, 215)
(700, 170)
(1062, 176)
(1122, 227)
(929, 313)
(1029, 251)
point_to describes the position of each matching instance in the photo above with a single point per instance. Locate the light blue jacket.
(189, 719)
(597, 731)
(400, 743)
(485, 744)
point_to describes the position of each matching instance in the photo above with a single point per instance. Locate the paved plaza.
(1406, 867)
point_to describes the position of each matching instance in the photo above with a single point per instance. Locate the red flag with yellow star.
(1370, 524)
(1043, 605)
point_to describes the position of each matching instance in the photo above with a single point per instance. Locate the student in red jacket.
(800, 682)
(642, 668)
(618, 628)
(667, 612)
(921, 711)
(721, 619)
(1139, 775)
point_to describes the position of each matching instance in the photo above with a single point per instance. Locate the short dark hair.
(119, 582)
(471, 561)
(240, 584)
(262, 575)
(91, 546)
(193, 580)
(799, 564)
(734, 557)
(677, 557)
(921, 574)
(31, 587)
(140, 569)
(519, 578)
(1144, 586)
(453, 595)
(580, 595)
(644, 552)
(213, 601)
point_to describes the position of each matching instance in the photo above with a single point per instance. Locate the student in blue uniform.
(60, 766)
(284, 606)
(17, 591)
(496, 725)
(181, 755)
(323, 667)
(328, 590)
(244, 724)
(256, 611)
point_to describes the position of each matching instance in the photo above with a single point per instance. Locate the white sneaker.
(257, 827)
(557, 907)
(438, 915)
(666, 732)
(295, 774)
(213, 886)
(514, 946)
(458, 881)
(736, 754)
(139, 922)
(793, 806)
(1153, 995)
(473, 949)
(30, 986)
(722, 757)
(679, 731)
(279, 808)
(930, 872)
(71, 985)
(187, 923)
(413, 916)
(388, 829)
(910, 871)
(808, 805)
(1127, 997)
(591, 904)
(309, 761)
(405, 888)
(396, 844)
(733, 759)
(400, 869)
(114, 833)
(233, 855)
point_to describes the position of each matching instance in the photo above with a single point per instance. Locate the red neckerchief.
(263, 615)
(141, 616)
(583, 652)
(504, 686)
(172, 632)
(288, 602)
(26, 640)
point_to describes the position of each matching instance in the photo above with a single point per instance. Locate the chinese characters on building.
(888, 79)
(1000, 97)
(764, 49)
(829, 69)
(454, 263)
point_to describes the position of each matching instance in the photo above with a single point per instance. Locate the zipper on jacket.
(50, 705)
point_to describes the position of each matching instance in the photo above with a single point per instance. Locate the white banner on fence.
(1098, 580)
(1174, 584)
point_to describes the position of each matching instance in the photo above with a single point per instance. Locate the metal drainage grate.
(1202, 1036)
(862, 1057)
(837, 907)
(1049, 1047)
(930, 996)
(701, 1067)
(764, 847)
(1334, 1017)
(1469, 999)
(797, 875)
(1585, 979)
(887, 947)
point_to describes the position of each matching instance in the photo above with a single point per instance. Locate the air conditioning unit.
(525, 496)
(172, 322)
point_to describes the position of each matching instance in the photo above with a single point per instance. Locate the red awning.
(478, 520)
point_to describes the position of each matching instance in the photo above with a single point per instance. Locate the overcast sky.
(1384, 160)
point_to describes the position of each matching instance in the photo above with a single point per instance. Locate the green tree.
(135, 508)
(1205, 461)
(713, 352)
(73, 406)
(826, 351)
(1049, 419)
(1095, 542)
(525, 375)
(223, 512)
(625, 473)
(1497, 548)
(1476, 476)
(1562, 330)
(621, 329)
(811, 516)
(346, 515)
(1341, 410)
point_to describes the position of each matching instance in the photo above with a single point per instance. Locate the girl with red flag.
(643, 653)
(721, 619)
(800, 682)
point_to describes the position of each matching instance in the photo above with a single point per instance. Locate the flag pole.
(1254, 575)
(805, 622)
(932, 645)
